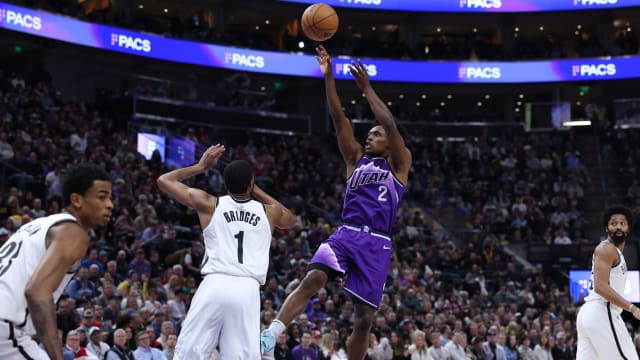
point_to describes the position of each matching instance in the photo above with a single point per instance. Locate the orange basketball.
(319, 22)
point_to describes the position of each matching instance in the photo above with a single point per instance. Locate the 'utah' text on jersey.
(373, 195)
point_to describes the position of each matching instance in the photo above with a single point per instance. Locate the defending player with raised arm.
(361, 248)
(237, 231)
(602, 333)
(37, 262)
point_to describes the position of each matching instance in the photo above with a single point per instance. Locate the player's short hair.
(78, 179)
(617, 209)
(237, 176)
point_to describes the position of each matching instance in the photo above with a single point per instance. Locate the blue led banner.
(477, 5)
(62, 28)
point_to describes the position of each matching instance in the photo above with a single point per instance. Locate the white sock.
(277, 328)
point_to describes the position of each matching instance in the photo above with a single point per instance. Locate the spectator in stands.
(6, 150)
(95, 345)
(157, 268)
(152, 234)
(454, 348)
(170, 347)
(37, 211)
(561, 237)
(491, 348)
(177, 306)
(193, 259)
(169, 244)
(144, 350)
(92, 259)
(561, 350)
(140, 265)
(80, 286)
(165, 331)
(304, 350)
(542, 350)
(418, 349)
(119, 350)
(124, 224)
(73, 344)
(143, 204)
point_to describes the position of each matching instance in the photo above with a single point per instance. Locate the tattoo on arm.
(43, 315)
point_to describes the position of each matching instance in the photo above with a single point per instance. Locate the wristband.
(630, 308)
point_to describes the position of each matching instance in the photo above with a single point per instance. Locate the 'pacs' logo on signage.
(19, 19)
(250, 61)
(131, 42)
(593, 70)
(482, 4)
(343, 69)
(479, 72)
(593, 2)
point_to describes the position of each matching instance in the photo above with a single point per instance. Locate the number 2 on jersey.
(240, 237)
(383, 193)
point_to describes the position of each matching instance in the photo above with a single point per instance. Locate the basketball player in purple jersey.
(361, 248)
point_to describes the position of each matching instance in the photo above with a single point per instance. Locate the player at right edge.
(602, 333)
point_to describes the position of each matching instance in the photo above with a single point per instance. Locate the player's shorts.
(15, 345)
(602, 334)
(361, 254)
(225, 311)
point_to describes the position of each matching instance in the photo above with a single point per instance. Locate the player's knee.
(363, 321)
(312, 282)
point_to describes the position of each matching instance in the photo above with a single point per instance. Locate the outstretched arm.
(349, 147)
(201, 201)
(68, 243)
(400, 156)
(279, 216)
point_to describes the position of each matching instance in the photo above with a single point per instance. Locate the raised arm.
(351, 150)
(68, 243)
(399, 154)
(203, 202)
(279, 216)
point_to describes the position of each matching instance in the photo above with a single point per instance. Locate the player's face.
(618, 228)
(376, 143)
(96, 204)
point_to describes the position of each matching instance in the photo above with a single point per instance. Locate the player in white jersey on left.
(237, 230)
(37, 262)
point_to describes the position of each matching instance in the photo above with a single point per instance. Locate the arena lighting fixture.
(451, 139)
(577, 123)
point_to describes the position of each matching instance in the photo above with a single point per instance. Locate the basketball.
(319, 22)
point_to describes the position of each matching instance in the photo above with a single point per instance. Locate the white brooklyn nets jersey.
(237, 240)
(19, 257)
(617, 280)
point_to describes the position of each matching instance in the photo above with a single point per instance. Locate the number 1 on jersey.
(240, 237)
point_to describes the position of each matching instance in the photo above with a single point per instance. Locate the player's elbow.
(600, 288)
(288, 220)
(163, 183)
(33, 294)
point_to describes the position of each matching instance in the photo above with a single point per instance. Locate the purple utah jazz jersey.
(373, 195)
